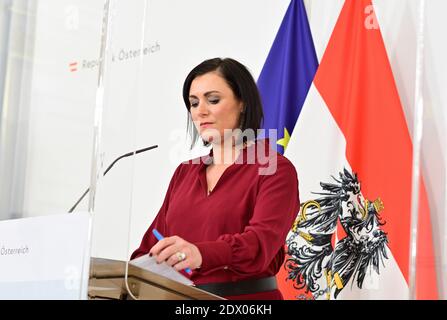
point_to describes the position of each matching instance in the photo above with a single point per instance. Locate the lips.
(205, 124)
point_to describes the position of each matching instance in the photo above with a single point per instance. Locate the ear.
(241, 107)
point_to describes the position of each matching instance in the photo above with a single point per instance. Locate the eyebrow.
(206, 94)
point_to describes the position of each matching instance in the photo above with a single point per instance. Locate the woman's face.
(214, 107)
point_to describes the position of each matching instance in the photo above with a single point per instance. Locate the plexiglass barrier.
(84, 84)
(48, 84)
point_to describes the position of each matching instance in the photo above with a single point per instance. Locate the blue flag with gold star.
(287, 74)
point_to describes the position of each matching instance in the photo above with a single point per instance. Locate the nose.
(202, 108)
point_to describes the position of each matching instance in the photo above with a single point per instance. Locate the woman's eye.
(194, 104)
(214, 101)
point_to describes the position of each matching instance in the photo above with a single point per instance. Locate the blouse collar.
(247, 154)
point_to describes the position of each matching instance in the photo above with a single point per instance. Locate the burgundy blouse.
(241, 226)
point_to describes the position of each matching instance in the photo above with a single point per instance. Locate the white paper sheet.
(163, 269)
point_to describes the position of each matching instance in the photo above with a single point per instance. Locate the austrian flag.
(353, 153)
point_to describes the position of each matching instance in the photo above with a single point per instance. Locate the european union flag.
(288, 73)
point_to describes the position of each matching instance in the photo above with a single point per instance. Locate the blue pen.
(160, 237)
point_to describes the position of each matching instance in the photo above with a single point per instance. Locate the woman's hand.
(170, 249)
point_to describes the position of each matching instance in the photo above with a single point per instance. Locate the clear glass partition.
(153, 46)
(86, 83)
(49, 53)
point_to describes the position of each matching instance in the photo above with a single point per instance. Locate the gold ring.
(180, 256)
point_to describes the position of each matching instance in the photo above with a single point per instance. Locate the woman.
(226, 215)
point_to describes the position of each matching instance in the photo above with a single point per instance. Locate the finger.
(173, 259)
(183, 265)
(160, 245)
(167, 252)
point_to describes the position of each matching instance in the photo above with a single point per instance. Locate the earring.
(241, 120)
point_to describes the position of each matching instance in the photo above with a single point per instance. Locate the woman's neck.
(225, 153)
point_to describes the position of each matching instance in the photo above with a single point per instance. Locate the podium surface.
(107, 281)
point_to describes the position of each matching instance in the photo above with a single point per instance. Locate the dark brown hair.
(241, 83)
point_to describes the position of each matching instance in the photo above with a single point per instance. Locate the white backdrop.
(144, 104)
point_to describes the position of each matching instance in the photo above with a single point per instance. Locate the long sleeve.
(252, 251)
(159, 222)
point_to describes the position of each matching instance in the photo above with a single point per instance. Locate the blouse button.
(225, 268)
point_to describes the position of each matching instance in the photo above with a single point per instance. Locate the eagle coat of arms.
(321, 260)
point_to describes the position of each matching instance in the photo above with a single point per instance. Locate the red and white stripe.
(353, 118)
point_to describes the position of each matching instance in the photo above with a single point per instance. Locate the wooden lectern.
(107, 281)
